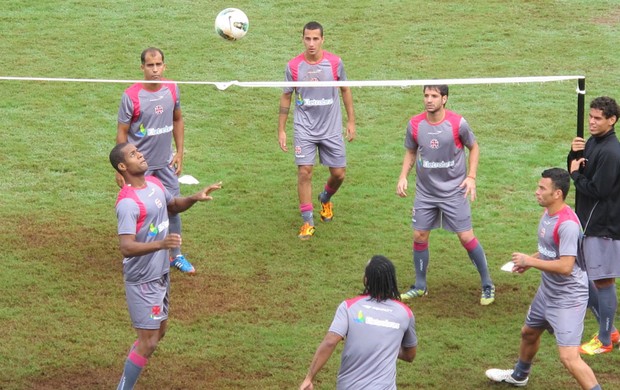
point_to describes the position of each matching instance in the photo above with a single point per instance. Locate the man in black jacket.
(595, 169)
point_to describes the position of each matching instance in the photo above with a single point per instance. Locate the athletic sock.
(326, 194)
(597, 387)
(133, 367)
(607, 305)
(521, 370)
(593, 301)
(479, 259)
(174, 227)
(306, 213)
(420, 264)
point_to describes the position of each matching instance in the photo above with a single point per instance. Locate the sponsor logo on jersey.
(159, 109)
(158, 203)
(438, 164)
(154, 230)
(299, 101)
(318, 102)
(375, 321)
(141, 132)
(547, 252)
(153, 131)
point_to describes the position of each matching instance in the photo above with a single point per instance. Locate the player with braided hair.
(378, 328)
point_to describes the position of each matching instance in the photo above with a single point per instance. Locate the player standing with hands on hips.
(434, 143)
(150, 116)
(560, 303)
(317, 123)
(594, 167)
(142, 209)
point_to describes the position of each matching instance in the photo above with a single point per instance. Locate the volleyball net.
(223, 85)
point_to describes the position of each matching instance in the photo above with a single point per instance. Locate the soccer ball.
(231, 24)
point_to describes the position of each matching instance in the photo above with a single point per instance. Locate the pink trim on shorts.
(420, 246)
(470, 246)
(136, 359)
(305, 207)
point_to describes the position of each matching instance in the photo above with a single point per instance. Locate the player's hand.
(172, 240)
(351, 132)
(204, 195)
(306, 385)
(576, 164)
(578, 144)
(470, 187)
(520, 259)
(177, 163)
(120, 180)
(401, 188)
(282, 140)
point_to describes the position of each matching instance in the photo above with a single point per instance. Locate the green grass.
(262, 301)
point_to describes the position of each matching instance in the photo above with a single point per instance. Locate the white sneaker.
(498, 375)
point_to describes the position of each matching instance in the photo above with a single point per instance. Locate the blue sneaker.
(181, 263)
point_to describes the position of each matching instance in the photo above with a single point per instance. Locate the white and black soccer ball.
(232, 24)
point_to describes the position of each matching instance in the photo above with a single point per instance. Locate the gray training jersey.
(150, 116)
(374, 332)
(143, 212)
(558, 235)
(440, 158)
(317, 110)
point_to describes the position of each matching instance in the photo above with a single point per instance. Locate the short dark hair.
(311, 26)
(117, 156)
(441, 88)
(560, 179)
(150, 50)
(607, 105)
(380, 279)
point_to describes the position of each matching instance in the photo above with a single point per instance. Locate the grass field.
(262, 300)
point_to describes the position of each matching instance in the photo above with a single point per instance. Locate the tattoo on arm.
(284, 110)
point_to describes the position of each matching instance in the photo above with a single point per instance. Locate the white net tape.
(349, 83)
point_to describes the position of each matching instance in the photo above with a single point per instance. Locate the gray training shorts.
(454, 214)
(565, 323)
(602, 257)
(332, 152)
(148, 302)
(168, 178)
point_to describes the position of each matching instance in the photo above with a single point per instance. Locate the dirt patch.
(611, 18)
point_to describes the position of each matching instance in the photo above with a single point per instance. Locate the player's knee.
(570, 360)
(528, 335)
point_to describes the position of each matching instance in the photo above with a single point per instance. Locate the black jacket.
(599, 181)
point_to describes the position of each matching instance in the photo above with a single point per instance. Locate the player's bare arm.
(470, 180)
(285, 104)
(129, 247)
(407, 354)
(563, 265)
(347, 100)
(178, 133)
(180, 204)
(408, 163)
(321, 356)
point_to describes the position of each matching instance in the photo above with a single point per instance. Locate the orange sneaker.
(595, 347)
(306, 231)
(327, 212)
